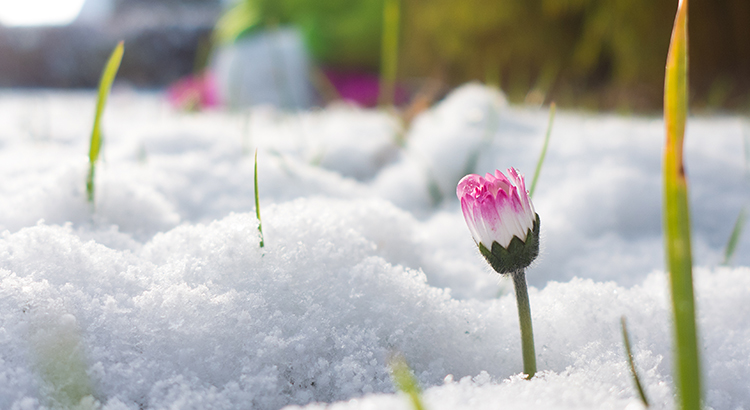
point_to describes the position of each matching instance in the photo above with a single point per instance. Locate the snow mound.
(160, 297)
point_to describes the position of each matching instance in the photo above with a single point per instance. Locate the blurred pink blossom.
(361, 87)
(194, 92)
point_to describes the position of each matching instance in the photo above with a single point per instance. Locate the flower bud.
(501, 219)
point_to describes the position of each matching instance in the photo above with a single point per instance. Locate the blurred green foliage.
(565, 46)
(344, 33)
(594, 53)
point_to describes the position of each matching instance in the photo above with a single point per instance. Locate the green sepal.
(517, 256)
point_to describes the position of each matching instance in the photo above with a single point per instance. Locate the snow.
(161, 298)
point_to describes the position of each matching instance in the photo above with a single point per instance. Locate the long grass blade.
(236, 22)
(552, 109)
(405, 381)
(105, 85)
(677, 216)
(734, 238)
(257, 200)
(389, 52)
(631, 362)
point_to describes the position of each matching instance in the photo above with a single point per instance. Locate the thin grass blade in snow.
(552, 109)
(734, 238)
(405, 381)
(677, 217)
(105, 85)
(739, 224)
(631, 362)
(257, 200)
(746, 148)
(57, 348)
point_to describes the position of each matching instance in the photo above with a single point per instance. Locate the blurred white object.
(39, 12)
(95, 11)
(267, 67)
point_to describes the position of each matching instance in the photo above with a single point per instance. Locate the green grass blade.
(739, 224)
(389, 52)
(60, 362)
(552, 109)
(631, 362)
(257, 200)
(677, 217)
(405, 381)
(746, 146)
(734, 238)
(238, 20)
(105, 85)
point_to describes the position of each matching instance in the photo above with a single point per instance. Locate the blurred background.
(592, 54)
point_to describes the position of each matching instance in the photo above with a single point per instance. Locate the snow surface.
(160, 297)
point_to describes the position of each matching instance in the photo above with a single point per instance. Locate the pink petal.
(496, 208)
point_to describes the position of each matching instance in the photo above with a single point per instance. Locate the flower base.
(517, 256)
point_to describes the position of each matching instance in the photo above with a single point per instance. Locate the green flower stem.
(524, 318)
